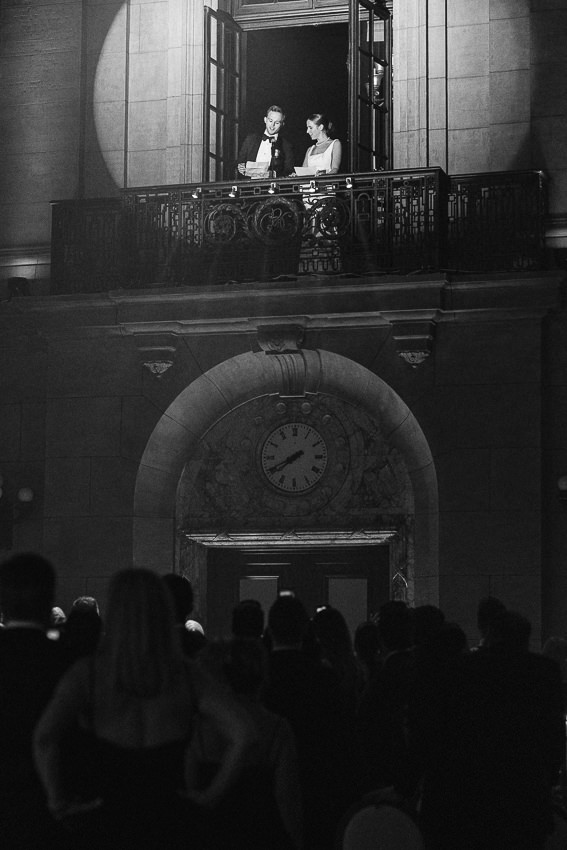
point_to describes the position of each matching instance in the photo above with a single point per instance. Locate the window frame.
(229, 73)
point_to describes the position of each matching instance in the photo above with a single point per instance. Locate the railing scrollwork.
(372, 223)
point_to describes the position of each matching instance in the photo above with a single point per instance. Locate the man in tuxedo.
(269, 148)
(30, 667)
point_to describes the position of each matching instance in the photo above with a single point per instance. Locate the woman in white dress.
(325, 153)
(324, 156)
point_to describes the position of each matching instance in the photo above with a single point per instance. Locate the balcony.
(350, 225)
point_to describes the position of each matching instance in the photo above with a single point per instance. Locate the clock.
(294, 457)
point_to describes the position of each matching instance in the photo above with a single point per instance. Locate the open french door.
(224, 91)
(370, 88)
(370, 85)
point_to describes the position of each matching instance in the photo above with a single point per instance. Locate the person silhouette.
(138, 696)
(30, 666)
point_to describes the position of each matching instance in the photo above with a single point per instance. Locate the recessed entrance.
(198, 485)
(303, 69)
(355, 580)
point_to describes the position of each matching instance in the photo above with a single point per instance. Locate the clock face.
(294, 457)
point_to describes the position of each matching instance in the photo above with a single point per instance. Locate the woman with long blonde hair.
(137, 697)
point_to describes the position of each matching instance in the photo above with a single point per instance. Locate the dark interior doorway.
(316, 575)
(303, 69)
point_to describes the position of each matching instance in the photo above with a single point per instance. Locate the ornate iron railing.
(86, 245)
(496, 221)
(374, 223)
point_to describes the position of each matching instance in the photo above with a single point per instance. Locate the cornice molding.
(309, 307)
(293, 538)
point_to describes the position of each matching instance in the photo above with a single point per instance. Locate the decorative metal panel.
(496, 221)
(259, 230)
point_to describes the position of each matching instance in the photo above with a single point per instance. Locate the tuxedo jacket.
(249, 151)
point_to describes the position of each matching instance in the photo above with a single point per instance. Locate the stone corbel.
(414, 340)
(157, 358)
(280, 338)
(158, 367)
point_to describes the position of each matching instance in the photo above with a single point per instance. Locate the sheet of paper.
(304, 171)
(257, 170)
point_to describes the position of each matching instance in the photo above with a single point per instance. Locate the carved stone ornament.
(225, 485)
(414, 339)
(158, 367)
(280, 339)
(414, 358)
(399, 587)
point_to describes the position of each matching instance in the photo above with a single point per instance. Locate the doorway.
(303, 70)
(355, 580)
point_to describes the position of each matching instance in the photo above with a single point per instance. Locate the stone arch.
(245, 377)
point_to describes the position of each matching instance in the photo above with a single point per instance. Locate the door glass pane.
(263, 589)
(350, 596)
(214, 87)
(230, 56)
(214, 41)
(231, 83)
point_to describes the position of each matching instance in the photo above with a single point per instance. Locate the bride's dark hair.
(140, 652)
(321, 120)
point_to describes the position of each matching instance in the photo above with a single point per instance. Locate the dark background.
(303, 70)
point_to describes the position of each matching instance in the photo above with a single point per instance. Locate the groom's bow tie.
(266, 138)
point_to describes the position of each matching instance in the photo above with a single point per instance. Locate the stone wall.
(102, 434)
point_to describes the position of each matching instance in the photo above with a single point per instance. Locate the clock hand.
(279, 466)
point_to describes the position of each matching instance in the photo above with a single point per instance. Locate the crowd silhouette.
(136, 730)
